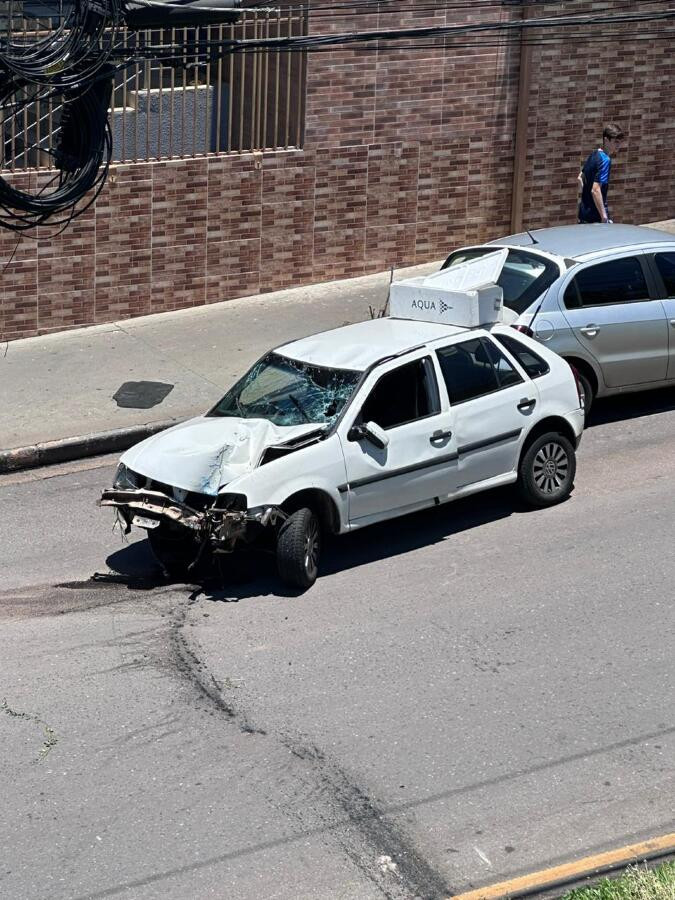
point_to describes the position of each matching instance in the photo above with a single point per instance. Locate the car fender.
(319, 466)
(559, 399)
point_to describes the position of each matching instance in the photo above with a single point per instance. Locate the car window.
(506, 374)
(617, 281)
(402, 395)
(533, 364)
(666, 266)
(474, 368)
(525, 276)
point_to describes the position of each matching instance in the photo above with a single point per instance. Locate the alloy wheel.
(551, 468)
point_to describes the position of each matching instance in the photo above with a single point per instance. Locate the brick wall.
(407, 154)
(580, 85)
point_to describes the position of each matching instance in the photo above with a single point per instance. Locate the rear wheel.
(299, 548)
(586, 388)
(546, 471)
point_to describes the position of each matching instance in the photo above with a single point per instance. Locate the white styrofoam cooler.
(466, 294)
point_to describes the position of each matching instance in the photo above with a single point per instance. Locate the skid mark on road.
(98, 591)
(348, 815)
(359, 825)
(38, 601)
(188, 664)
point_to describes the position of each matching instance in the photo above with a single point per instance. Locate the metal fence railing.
(241, 102)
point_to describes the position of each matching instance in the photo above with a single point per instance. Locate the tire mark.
(376, 847)
(191, 668)
(40, 601)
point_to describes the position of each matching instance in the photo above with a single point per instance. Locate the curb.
(577, 873)
(67, 449)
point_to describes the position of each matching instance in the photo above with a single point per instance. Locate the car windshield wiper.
(299, 407)
(238, 406)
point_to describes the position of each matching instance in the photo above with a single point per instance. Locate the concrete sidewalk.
(57, 391)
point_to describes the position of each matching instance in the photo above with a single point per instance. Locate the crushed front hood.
(205, 453)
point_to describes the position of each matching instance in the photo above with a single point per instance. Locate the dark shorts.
(588, 215)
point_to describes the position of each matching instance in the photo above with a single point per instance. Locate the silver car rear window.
(524, 278)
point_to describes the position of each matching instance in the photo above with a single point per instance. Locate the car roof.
(361, 345)
(582, 241)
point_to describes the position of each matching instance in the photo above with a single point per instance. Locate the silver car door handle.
(440, 435)
(526, 404)
(589, 330)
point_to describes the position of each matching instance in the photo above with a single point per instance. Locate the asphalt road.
(464, 695)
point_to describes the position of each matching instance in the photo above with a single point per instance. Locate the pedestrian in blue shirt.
(594, 177)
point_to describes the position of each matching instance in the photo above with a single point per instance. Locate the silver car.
(601, 296)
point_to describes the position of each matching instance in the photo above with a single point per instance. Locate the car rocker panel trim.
(481, 445)
(404, 470)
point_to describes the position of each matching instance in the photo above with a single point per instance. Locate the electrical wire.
(82, 156)
(75, 65)
(396, 7)
(65, 55)
(209, 51)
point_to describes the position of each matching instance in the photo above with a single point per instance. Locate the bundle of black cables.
(82, 152)
(66, 70)
(77, 43)
(59, 61)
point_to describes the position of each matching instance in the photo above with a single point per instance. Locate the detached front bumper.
(219, 524)
(153, 505)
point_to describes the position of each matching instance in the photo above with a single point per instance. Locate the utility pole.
(523, 107)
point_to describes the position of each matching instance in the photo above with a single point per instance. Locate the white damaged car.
(349, 427)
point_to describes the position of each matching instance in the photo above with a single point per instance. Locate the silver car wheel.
(550, 468)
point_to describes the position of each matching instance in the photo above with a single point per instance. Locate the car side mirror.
(369, 431)
(376, 435)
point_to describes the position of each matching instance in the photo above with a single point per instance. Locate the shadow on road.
(631, 406)
(418, 530)
(253, 574)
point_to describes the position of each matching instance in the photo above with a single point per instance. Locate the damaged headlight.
(125, 478)
(231, 502)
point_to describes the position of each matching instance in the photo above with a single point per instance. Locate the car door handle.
(526, 404)
(440, 435)
(589, 330)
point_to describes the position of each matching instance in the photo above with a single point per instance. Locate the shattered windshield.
(287, 392)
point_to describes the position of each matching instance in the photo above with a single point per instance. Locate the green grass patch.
(637, 883)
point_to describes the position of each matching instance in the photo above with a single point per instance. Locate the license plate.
(142, 522)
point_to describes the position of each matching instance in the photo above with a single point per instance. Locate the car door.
(665, 267)
(609, 308)
(491, 404)
(419, 463)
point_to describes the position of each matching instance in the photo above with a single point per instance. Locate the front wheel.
(299, 548)
(546, 471)
(174, 548)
